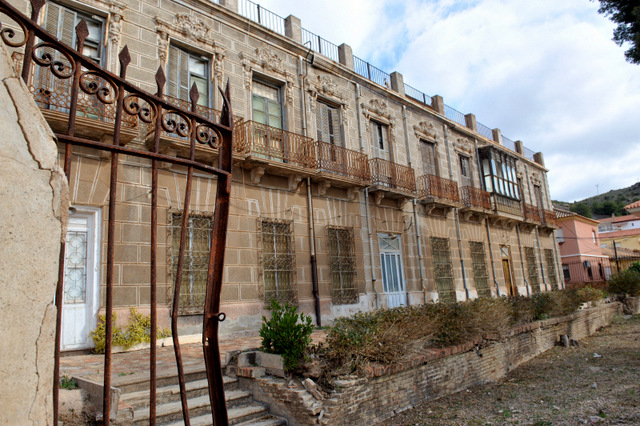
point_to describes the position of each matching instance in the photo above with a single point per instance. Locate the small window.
(342, 262)
(443, 269)
(196, 259)
(380, 140)
(560, 235)
(185, 70)
(278, 260)
(593, 236)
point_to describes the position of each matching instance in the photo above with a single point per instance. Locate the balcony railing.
(506, 205)
(550, 218)
(274, 144)
(54, 94)
(432, 186)
(475, 197)
(342, 161)
(531, 212)
(391, 175)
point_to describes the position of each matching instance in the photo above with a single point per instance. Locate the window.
(465, 171)
(380, 140)
(342, 261)
(428, 151)
(186, 69)
(480, 272)
(551, 268)
(566, 272)
(593, 235)
(499, 173)
(266, 104)
(196, 259)
(277, 260)
(532, 269)
(537, 191)
(443, 269)
(328, 124)
(62, 21)
(560, 234)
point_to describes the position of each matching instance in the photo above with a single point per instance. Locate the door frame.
(94, 215)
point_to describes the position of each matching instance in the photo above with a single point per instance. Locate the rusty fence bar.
(81, 78)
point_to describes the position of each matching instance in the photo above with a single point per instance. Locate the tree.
(581, 208)
(625, 13)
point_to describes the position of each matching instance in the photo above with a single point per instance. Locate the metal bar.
(212, 315)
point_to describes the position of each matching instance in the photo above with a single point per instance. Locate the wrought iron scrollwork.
(175, 122)
(207, 135)
(8, 34)
(60, 69)
(93, 83)
(133, 105)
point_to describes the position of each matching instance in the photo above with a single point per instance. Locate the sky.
(544, 72)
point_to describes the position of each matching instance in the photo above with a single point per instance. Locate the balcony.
(550, 221)
(438, 193)
(506, 211)
(342, 165)
(531, 213)
(476, 203)
(94, 118)
(391, 179)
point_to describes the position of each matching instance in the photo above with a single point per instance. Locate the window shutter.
(174, 60)
(322, 123)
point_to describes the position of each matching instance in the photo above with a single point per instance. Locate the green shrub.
(286, 333)
(543, 305)
(625, 282)
(635, 266)
(137, 330)
(68, 383)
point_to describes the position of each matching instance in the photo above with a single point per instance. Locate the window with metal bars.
(532, 269)
(480, 271)
(278, 260)
(196, 259)
(551, 268)
(342, 262)
(443, 269)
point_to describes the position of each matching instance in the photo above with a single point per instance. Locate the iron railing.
(506, 205)
(454, 115)
(484, 131)
(595, 270)
(370, 72)
(508, 143)
(531, 212)
(550, 218)
(475, 197)
(342, 161)
(414, 93)
(86, 79)
(388, 174)
(528, 153)
(320, 45)
(262, 16)
(432, 186)
(278, 145)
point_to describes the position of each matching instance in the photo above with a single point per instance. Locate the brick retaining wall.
(437, 372)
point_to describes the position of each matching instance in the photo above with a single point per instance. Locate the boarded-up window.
(443, 269)
(342, 261)
(480, 272)
(196, 259)
(532, 269)
(278, 261)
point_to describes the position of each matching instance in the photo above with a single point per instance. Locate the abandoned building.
(351, 189)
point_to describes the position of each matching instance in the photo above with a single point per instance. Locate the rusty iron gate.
(84, 79)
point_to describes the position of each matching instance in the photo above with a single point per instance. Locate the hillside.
(605, 204)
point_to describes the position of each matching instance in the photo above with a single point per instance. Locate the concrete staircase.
(133, 408)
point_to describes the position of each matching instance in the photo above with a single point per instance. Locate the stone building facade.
(351, 190)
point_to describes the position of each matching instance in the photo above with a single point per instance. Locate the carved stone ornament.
(425, 130)
(376, 108)
(463, 145)
(269, 62)
(186, 27)
(535, 179)
(325, 86)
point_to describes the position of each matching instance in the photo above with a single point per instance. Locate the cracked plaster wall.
(33, 215)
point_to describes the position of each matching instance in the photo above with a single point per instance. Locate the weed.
(68, 383)
(137, 330)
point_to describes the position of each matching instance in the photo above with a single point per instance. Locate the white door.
(80, 294)
(392, 273)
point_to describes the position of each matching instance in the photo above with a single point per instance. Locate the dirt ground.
(596, 382)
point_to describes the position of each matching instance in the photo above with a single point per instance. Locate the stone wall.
(33, 214)
(437, 372)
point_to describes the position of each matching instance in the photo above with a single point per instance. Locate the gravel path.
(597, 382)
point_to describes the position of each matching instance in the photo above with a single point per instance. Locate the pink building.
(580, 251)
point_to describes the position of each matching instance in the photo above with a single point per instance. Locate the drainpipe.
(366, 203)
(310, 219)
(457, 219)
(524, 275)
(555, 239)
(493, 267)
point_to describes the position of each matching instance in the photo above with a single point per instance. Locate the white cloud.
(544, 72)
